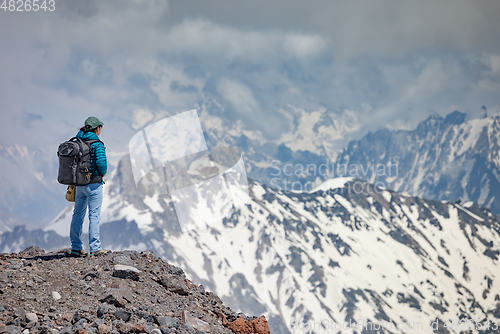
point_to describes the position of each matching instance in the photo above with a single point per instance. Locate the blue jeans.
(91, 196)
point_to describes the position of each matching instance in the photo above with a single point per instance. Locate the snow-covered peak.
(302, 258)
(332, 184)
(443, 158)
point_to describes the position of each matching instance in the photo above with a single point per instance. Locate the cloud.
(141, 117)
(243, 103)
(392, 62)
(390, 28)
(305, 47)
(206, 40)
(239, 96)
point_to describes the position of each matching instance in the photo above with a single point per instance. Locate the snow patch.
(331, 184)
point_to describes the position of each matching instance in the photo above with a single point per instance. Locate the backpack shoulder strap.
(92, 141)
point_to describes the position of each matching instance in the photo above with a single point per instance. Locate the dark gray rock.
(91, 275)
(30, 325)
(177, 271)
(145, 307)
(105, 309)
(150, 328)
(97, 322)
(20, 313)
(174, 283)
(123, 315)
(127, 272)
(79, 324)
(149, 317)
(168, 322)
(110, 296)
(32, 250)
(187, 328)
(76, 317)
(132, 254)
(201, 289)
(123, 259)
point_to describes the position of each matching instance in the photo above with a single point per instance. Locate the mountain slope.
(120, 292)
(29, 184)
(312, 137)
(346, 251)
(443, 158)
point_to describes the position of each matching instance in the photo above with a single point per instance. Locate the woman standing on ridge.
(91, 194)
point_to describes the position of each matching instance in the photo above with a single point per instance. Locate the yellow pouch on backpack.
(70, 194)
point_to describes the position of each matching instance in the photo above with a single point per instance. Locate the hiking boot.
(78, 253)
(100, 252)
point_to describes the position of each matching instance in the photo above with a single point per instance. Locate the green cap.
(94, 122)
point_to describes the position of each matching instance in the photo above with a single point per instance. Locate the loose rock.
(150, 296)
(32, 250)
(123, 315)
(195, 322)
(241, 326)
(80, 331)
(138, 328)
(56, 295)
(123, 260)
(103, 329)
(31, 317)
(260, 325)
(177, 271)
(11, 329)
(168, 322)
(174, 283)
(127, 272)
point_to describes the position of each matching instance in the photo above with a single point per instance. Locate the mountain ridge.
(354, 251)
(444, 158)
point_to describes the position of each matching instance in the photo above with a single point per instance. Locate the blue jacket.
(98, 162)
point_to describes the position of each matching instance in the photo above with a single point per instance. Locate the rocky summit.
(120, 292)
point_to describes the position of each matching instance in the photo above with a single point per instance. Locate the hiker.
(91, 194)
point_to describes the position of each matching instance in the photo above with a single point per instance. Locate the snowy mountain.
(30, 191)
(443, 158)
(313, 137)
(321, 132)
(346, 251)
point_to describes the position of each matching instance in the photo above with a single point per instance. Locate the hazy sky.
(393, 62)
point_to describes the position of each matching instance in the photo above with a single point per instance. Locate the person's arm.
(100, 159)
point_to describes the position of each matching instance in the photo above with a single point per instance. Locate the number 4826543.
(28, 5)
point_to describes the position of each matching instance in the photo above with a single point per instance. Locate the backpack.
(74, 162)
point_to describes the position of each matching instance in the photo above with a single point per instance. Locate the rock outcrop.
(118, 293)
